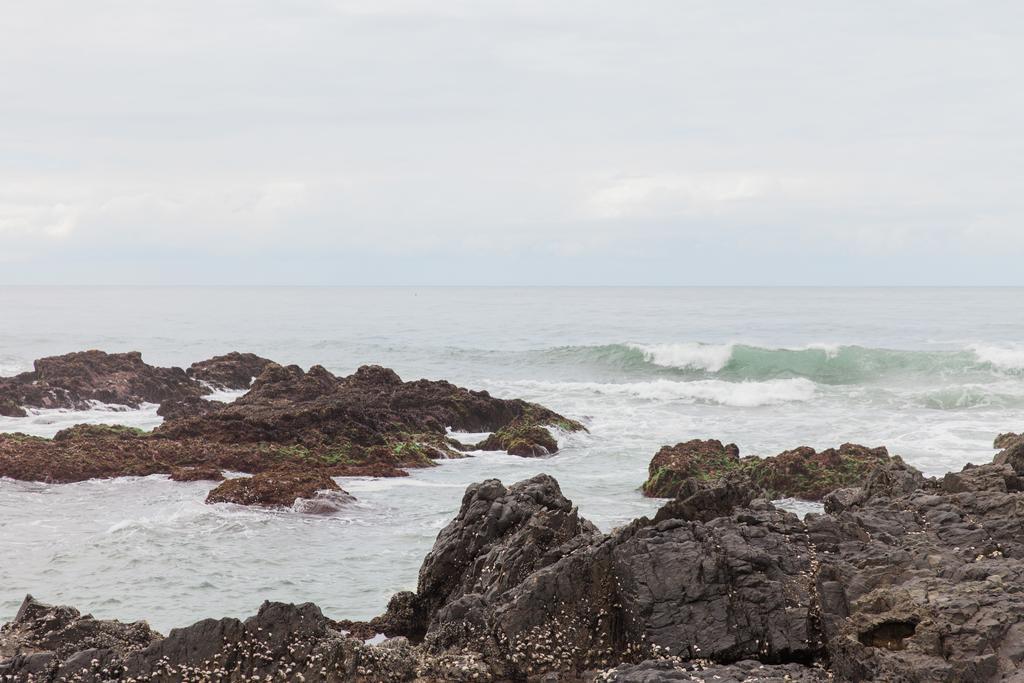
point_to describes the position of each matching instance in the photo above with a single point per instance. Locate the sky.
(348, 142)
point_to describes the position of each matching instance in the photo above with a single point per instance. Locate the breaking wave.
(820, 363)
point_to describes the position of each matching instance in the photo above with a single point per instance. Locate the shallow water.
(934, 374)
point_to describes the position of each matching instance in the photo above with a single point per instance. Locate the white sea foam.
(688, 355)
(713, 391)
(1010, 357)
(47, 422)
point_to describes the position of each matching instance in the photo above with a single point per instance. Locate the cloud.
(550, 141)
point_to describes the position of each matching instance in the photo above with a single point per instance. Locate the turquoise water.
(934, 374)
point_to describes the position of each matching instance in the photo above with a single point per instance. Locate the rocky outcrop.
(102, 451)
(275, 488)
(799, 473)
(46, 642)
(370, 423)
(192, 406)
(231, 371)
(75, 380)
(372, 408)
(904, 579)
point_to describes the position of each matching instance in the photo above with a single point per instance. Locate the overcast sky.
(440, 142)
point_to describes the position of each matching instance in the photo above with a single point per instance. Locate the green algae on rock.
(799, 473)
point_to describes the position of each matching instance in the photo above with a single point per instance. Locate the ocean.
(933, 374)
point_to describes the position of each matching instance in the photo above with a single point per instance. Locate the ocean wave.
(820, 362)
(693, 356)
(1003, 357)
(711, 391)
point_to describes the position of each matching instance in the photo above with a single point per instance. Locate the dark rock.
(276, 488)
(372, 408)
(64, 631)
(799, 473)
(1012, 455)
(368, 424)
(672, 465)
(10, 408)
(522, 437)
(519, 577)
(192, 406)
(231, 371)
(75, 380)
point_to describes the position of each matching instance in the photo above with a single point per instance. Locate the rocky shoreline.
(289, 421)
(901, 578)
(905, 578)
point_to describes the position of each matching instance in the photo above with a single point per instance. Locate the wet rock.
(523, 438)
(324, 503)
(57, 633)
(197, 473)
(915, 587)
(372, 408)
(905, 579)
(532, 517)
(672, 465)
(276, 488)
(76, 380)
(799, 473)
(1012, 454)
(520, 578)
(10, 408)
(231, 371)
(191, 406)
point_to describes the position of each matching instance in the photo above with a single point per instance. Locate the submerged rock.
(276, 488)
(799, 473)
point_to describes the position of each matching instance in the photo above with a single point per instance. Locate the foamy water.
(932, 374)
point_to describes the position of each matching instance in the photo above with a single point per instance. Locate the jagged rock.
(532, 517)
(10, 408)
(1012, 455)
(372, 408)
(231, 371)
(923, 586)
(191, 406)
(799, 473)
(905, 579)
(74, 380)
(41, 635)
(521, 578)
(672, 465)
(368, 424)
(276, 488)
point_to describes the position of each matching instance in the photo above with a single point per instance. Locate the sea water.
(933, 374)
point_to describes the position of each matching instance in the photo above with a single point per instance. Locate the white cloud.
(504, 130)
